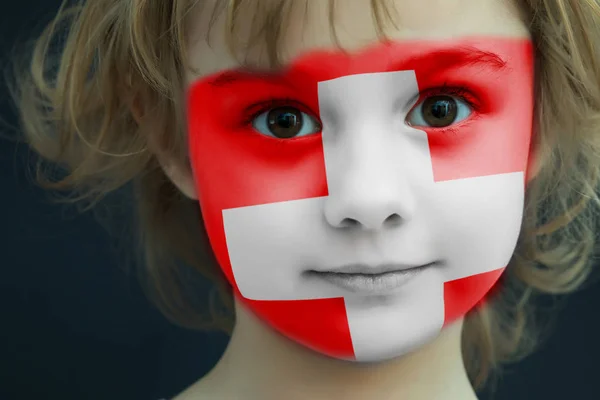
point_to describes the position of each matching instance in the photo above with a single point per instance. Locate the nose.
(372, 159)
(369, 196)
(366, 210)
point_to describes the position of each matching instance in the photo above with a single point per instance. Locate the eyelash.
(257, 109)
(457, 91)
(461, 92)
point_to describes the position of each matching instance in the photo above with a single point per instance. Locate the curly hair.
(75, 100)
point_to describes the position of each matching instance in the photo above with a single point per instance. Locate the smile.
(370, 280)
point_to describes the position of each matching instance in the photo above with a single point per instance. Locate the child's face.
(358, 203)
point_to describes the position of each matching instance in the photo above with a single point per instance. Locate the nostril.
(349, 223)
(393, 219)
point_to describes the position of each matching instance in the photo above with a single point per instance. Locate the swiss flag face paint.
(292, 220)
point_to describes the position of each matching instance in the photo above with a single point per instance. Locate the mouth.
(361, 278)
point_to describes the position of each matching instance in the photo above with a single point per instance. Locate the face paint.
(363, 239)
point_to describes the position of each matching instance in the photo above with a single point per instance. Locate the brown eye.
(285, 123)
(439, 111)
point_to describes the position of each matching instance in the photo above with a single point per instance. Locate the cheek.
(476, 233)
(239, 169)
(468, 209)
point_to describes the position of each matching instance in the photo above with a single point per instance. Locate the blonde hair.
(76, 103)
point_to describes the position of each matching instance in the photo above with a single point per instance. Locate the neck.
(260, 363)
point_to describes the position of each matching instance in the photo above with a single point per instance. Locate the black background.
(75, 326)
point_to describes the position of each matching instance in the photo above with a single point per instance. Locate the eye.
(439, 111)
(285, 123)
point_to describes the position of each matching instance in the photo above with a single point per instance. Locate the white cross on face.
(376, 165)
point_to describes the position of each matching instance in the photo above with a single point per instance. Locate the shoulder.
(206, 389)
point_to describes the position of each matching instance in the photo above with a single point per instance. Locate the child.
(384, 185)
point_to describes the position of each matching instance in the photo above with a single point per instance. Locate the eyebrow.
(464, 56)
(241, 75)
(442, 59)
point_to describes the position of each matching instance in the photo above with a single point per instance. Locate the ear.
(179, 172)
(180, 175)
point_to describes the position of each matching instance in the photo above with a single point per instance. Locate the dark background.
(73, 325)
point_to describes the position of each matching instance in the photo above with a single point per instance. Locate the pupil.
(440, 111)
(287, 120)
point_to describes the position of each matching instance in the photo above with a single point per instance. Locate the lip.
(361, 278)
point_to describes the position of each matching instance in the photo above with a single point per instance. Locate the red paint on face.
(235, 166)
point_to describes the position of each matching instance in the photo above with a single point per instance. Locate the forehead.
(308, 27)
